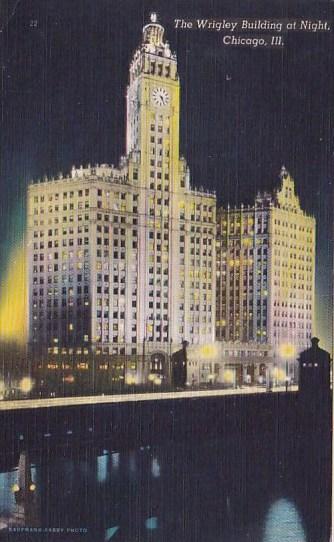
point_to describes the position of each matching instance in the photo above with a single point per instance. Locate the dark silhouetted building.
(314, 384)
(179, 366)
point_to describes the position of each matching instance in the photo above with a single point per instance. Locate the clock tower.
(153, 108)
(175, 224)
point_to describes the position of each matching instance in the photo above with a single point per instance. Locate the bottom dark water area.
(263, 487)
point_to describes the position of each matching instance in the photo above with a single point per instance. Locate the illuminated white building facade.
(266, 272)
(124, 258)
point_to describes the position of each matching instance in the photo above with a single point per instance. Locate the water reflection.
(115, 458)
(209, 491)
(132, 462)
(19, 504)
(7, 480)
(151, 523)
(102, 467)
(155, 469)
(283, 522)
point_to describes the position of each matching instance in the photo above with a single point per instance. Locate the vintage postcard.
(166, 270)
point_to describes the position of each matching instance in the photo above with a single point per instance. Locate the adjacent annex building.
(266, 272)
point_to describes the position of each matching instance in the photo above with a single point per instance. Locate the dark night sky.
(243, 112)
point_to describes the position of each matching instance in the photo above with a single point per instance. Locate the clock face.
(160, 96)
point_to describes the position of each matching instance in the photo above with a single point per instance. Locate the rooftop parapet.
(105, 172)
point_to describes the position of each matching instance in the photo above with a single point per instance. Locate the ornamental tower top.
(286, 197)
(153, 32)
(153, 98)
(153, 38)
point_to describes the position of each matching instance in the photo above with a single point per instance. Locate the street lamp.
(287, 352)
(2, 389)
(130, 380)
(211, 378)
(26, 384)
(229, 376)
(151, 378)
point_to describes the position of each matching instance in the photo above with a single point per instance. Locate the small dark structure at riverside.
(314, 385)
(179, 367)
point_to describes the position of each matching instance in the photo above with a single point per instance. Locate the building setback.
(123, 259)
(266, 271)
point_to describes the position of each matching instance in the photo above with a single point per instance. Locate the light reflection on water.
(102, 467)
(115, 459)
(7, 500)
(155, 469)
(283, 522)
(203, 492)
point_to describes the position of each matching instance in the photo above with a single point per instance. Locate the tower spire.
(153, 32)
(284, 172)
